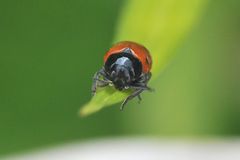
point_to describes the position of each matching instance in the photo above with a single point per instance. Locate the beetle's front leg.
(134, 94)
(96, 80)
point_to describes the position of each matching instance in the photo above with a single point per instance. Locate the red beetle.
(126, 65)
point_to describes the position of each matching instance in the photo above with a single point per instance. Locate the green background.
(49, 51)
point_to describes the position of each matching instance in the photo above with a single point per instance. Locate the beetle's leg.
(102, 80)
(141, 86)
(94, 84)
(97, 79)
(145, 77)
(134, 94)
(142, 82)
(103, 84)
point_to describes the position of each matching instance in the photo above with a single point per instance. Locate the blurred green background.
(49, 51)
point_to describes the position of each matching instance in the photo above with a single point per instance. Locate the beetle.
(127, 65)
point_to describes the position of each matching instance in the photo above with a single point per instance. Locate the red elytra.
(139, 51)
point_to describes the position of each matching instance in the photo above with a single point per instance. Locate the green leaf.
(104, 97)
(160, 25)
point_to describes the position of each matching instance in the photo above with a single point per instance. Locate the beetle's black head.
(122, 73)
(123, 69)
